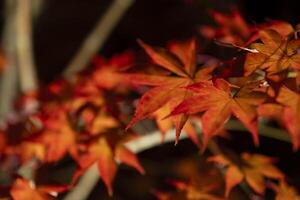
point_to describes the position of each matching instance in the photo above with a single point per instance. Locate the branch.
(8, 87)
(81, 191)
(26, 66)
(266, 131)
(17, 47)
(97, 37)
(90, 178)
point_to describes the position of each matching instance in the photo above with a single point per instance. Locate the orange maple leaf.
(102, 153)
(287, 112)
(275, 54)
(107, 73)
(25, 190)
(285, 191)
(189, 191)
(168, 90)
(166, 124)
(218, 103)
(253, 168)
(232, 28)
(57, 135)
(291, 113)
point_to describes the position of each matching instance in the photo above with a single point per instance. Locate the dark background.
(63, 24)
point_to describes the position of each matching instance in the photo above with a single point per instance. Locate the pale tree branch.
(26, 66)
(87, 182)
(96, 39)
(36, 8)
(8, 87)
(17, 46)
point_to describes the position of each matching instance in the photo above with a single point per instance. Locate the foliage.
(85, 119)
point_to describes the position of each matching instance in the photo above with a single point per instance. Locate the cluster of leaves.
(207, 184)
(264, 85)
(86, 119)
(78, 119)
(267, 83)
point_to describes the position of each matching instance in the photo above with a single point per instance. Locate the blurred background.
(59, 29)
(60, 26)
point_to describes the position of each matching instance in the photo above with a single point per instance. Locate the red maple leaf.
(218, 103)
(169, 90)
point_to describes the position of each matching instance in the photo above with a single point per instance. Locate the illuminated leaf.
(275, 54)
(285, 191)
(253, 168)
(218, 103)
(168, 90)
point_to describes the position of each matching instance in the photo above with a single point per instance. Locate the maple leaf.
(107, 73)
(126, 156)
(57, 87)
(253, 168)
(275, 54)
(57, 135)
(101, 152)
(291, 112)
(82, 127)
(285, 111)
(166, 124)
(21, 190)
(106, 156)
(86, 91)
(25, 190)
(218, 103)
(51, 136)
(195, 184)
(28, 150)
(232, 28)
(168, 90)
(189, 191)
(283, 28)
(195, 188)
(102, 122)
(285, 191)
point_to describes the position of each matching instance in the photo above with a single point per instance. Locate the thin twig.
(232, 45)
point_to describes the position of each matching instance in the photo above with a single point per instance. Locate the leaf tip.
(205, 141)
(256, 140)
(295, 146)
(141, 43)
(131, 123)
(203, 148)
(227, 192)
(176, 142)
(110, 191)
(142, 171)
